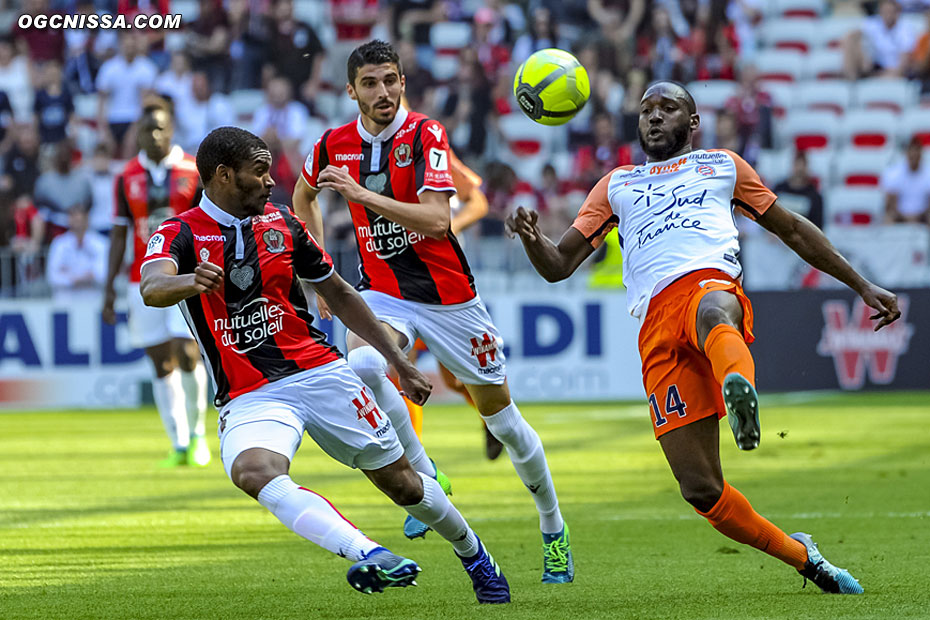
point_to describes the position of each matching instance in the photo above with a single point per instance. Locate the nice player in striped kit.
(234, 264)
(392, 166)
(682, 271)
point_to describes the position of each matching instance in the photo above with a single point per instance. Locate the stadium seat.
(824, 64)
(774, 165)
(916, 122)
(860, 167)
(885, 93)
(831, 31)
(245, 102)
(712, 93)
(820, 166)
(447, 40)
(810, 129)
(829, 95)
(85, 108)
(779, 65)
(809, 9)
(782, 94)
(853, 205)
(870, 128)
(528, 149)
(790, 34)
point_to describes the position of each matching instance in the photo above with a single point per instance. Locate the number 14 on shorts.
(673, 404)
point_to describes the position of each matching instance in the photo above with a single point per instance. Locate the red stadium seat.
(788, 34)
(916, 123)
(861, 167)
(872, 129)
(782, 94)
(829, 95)
(824, 64)
(892, 94)
(779, 65)
(809, 9)
(447, 39)
(810, 129)
(853, 205)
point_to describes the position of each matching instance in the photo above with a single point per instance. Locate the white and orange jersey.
(675, 217)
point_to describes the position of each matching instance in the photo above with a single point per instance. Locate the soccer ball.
(551, 87)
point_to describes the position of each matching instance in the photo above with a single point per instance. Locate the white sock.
(194, 384)
(437, 511)
(371, 367)
(311, 516)
(167, 393)
(529, 459)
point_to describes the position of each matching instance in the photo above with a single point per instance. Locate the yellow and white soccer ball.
(551, 87)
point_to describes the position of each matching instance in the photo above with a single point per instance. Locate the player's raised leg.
(526, 452)
(194, 385)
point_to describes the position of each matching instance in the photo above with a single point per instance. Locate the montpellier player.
(234, 265)
(682, 270)
(157, 184)
(392, 167)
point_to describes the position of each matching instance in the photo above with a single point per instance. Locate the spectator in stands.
(726, 135)
(619, 19)
(175, 82)
(467, 107)
(411, 20)
(658, 45)
(280, 114)
(882, 46)
(295, 51)
(53, 105)
(77, 260)
(61, 189)
(81, 63)
(15, 80)
(906, 184)
(6, 124)
(248, 36)
(543, 33)
(201, 113)
(556, 208)
(493, 56)
(21, 166)
(799, 191)
(40, 44)
(919, 68)
(353, 21)
(28, 238)
(752, 108)
(122, 83)
(594, 161)
(208, 43)
(101, 172)
(421, 85)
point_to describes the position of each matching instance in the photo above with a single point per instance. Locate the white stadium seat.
(832, 30)
(824, 64)
(916, 122)
(860, 167)
(829, 95)
(779, 65)
(712, 94)
(810, 129)
(528, 149)
(820, 166)
(849, 205)
(791, 34)
(895, 94)
(808, 9)
(774, 165)
(870, 129)
(447, 40)
(245, 102)
(782, 94)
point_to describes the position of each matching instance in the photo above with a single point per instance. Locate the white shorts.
(462, 336)
(150, 326)
(329, 402)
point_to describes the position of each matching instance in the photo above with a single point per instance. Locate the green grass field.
(89, 528)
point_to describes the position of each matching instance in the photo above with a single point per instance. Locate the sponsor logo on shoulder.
(410, 126)
(156, 244)
(267, 218)
(715, 157)
(436, 130)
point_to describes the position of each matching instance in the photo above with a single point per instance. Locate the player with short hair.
(160, 182)
(234, 264)
(392, 167)
(682, 271)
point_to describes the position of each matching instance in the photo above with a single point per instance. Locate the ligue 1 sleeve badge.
(274, 241)
(403, 155)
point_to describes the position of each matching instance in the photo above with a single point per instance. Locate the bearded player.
(682, 271)
(392, 167)
(157, 184)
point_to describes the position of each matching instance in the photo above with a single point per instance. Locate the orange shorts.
(677, 375)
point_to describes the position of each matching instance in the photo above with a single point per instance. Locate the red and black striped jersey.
(409, 157)
(148, 194)
(257, 328)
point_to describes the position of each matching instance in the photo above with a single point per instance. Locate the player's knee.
(404, 488)
(368, 364)
(701, 493)
(252, 477)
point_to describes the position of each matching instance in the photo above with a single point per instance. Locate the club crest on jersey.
(403, 156)
(204, 255)
(274, 240)
(705, 170)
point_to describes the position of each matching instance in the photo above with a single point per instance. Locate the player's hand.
(338, 179)
(109, 312)
(323, 308)
(414, 384)
(884, 301)
(523, 222)
(208, 278)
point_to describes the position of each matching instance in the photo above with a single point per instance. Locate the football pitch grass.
(90, 528)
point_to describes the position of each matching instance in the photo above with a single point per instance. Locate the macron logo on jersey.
(348, 157)
(436, 130)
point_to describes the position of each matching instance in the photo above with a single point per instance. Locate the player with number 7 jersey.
(392, 167)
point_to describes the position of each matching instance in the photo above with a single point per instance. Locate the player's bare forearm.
(348, 305)
(161, 286)
(431, 218)
(307, 208)
(116, 253)
(553, 262)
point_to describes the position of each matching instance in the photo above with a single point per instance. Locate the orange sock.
(727, 351)
(734, 517)
(415, 411)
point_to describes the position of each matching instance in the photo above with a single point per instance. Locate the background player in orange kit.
(392, 166)
(682, 270)
(160, 182)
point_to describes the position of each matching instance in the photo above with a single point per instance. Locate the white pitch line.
(797, 515)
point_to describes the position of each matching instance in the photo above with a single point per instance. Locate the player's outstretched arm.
(553, 262)
(114, 262)
(307, 208)
(352, 310)
(809, 242)
(161, 286)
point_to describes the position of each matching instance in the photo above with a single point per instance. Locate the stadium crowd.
(823, 97)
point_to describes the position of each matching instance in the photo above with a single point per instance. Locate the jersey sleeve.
(172, 241)
(596, 217)
(314, 162)
(121, 214)
(750, 195)
(431, 159)
(311, 262)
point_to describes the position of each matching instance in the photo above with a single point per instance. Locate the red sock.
(734, 517)
(727, 351)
